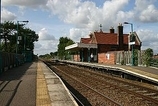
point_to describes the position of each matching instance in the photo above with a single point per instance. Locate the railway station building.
(103, 47)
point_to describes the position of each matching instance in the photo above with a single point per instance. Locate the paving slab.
(18, 86)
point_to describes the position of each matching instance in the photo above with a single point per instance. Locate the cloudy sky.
(52, 19)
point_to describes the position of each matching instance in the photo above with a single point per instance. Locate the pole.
(132, 45)
(17, 38)
(17, 44)
(0, 24)
(88, 54)
(0, 43)
(132, 58)
(82, 55)
(24, 47)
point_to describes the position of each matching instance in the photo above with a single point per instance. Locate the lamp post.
(132, 42)
(17, 38)
(18, 34)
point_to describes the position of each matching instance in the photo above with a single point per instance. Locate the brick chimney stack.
(112, 30)
(120, 36)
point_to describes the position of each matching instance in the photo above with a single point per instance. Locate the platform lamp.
(17, 37)
(131, 42)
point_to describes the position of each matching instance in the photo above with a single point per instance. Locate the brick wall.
(103, 48)
(107, 58)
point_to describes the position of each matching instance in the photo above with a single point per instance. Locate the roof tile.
(85, 40)
(109, 38)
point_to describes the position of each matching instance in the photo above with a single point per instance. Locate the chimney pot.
(112, 30)
(120, 24)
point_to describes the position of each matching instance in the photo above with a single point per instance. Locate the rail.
(101, 85)
(98, 93)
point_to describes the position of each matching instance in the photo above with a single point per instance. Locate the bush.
(147, 57)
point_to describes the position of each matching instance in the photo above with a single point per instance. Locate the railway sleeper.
(124, 85)
(134, 89)
(150, 94)
(143, 91)
(155, 97)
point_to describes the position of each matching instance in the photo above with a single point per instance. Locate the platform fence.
(10, 60)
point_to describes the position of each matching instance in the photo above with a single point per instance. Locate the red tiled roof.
(85, 40)
(109, 38)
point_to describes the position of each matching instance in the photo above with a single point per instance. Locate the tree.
(135, 56)
(147, 57)
(7, 31)
(63, 42)
(28, 38)
(53, 54)
(46, 56)
(9, 35)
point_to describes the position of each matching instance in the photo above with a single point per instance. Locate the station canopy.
(78, 46)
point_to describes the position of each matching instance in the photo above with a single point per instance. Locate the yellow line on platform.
(42, 96)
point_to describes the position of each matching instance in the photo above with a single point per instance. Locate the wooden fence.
(9, 60)
(125, 58)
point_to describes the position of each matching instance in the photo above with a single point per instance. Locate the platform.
(148, 73)
(33, 84)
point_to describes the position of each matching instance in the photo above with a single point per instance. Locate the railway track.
(102, 90)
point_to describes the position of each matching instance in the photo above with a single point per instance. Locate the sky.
(52, 19)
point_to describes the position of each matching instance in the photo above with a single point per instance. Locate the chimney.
(120, 36)
(112, 30)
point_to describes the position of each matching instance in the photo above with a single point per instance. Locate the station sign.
(19, 37)
(131, 43)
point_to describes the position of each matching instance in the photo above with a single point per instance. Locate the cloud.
(60, 8)
(145, 11)
(147, 35)
(46, 43)
(150, 14)
(25, 3)
(86, 14)
(142, 4)
(76, 34)
(149, 39)
(124, 16)
(43, 35)
(44, 47)
(7, 15)
(37, 45)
